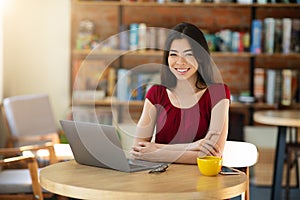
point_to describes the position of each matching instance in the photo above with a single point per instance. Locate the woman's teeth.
(182, 69)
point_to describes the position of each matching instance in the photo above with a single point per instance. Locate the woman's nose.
(181, 60)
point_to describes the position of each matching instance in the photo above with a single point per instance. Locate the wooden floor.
(264, 193)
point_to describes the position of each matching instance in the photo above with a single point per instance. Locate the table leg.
(279, 162)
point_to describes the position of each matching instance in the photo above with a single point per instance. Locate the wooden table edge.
(88, 193)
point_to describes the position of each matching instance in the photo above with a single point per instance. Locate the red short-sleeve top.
(184, 125)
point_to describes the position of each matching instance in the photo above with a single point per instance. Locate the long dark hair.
(200, 50)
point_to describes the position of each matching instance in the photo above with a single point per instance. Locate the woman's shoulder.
(218, 85)
(156, 92)
(219, 89)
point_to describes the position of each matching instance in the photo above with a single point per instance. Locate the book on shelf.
(124, 37)
(261, 1)
(133, 36)
(273, 86)
(256, 33)
(295, 36)
(151, 38)
(245, 1)
(270, 86)
(245, 37)
(278, 87)
(142, 36)
(236, 41)
(269, 33)
(259, 84)
(122, 85)
(278, 36)
(161, 38)
(286, 99)
(286, 35)
(111, 81)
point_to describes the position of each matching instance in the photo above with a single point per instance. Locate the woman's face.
(181, 60)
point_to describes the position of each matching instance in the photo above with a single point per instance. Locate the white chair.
(241, 155)
(30, 121)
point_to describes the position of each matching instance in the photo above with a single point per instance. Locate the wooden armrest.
(17, 150)
(17, 159)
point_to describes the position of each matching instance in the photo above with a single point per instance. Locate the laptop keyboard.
(139, 163)
(132, 166)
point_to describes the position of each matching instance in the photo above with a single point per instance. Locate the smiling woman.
(189, 110)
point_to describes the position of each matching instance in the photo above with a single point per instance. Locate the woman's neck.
(185, 94)
(186, 87)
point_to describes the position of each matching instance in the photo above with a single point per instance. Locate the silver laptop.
(99, 145)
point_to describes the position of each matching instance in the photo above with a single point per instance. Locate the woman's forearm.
(188, 157)
(175, 156)
(180, 147)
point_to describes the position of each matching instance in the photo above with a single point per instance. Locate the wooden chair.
(240, 155)
(22, 183)
(30, 121)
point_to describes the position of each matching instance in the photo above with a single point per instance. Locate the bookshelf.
(237, 68)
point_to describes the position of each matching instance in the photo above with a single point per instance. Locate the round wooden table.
(283, 119)
(178, 182)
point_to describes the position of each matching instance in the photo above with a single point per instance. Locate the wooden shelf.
(276, 5)
(278, 55)
(182, 4)
(179, 4)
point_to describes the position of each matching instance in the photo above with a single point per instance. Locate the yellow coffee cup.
(209, 165)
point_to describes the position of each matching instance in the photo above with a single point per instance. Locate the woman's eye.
(189, 54)
(172, 54)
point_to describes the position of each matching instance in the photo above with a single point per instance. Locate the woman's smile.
(182, 70)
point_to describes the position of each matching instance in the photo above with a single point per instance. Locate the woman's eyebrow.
(187, 50)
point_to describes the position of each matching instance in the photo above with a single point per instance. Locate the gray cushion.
(14, 181)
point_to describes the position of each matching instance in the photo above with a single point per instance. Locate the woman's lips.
(182, 70)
